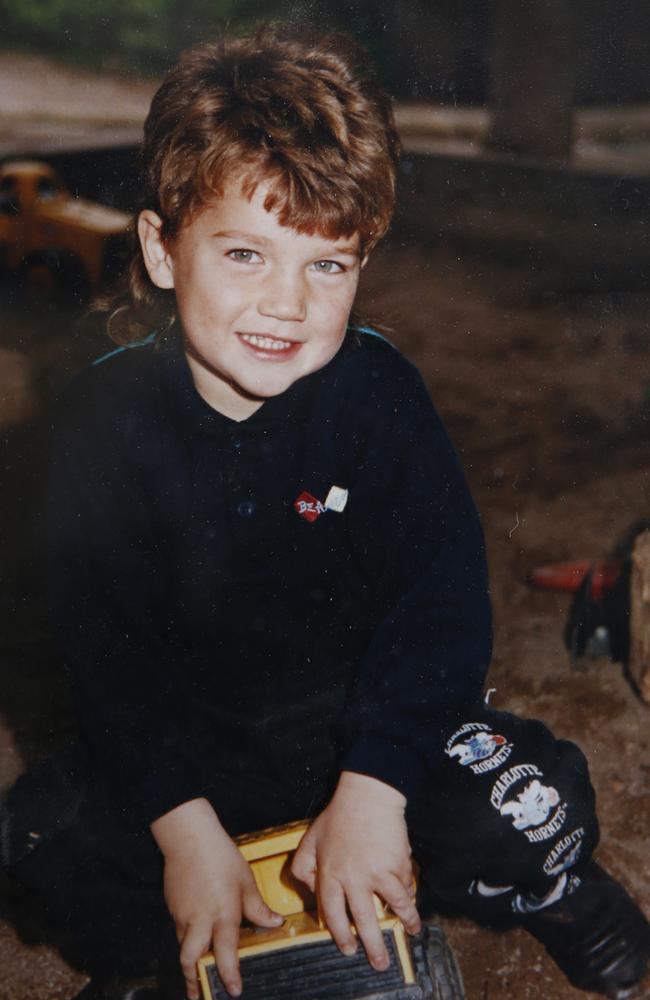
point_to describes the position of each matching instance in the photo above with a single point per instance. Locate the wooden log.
(640, 615)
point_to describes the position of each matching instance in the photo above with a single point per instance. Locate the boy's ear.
(157, 258)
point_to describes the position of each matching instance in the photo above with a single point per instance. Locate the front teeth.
(266, 343)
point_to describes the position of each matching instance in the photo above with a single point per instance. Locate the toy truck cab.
(300, 961)
(55, 239)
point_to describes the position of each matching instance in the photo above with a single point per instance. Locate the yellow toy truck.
(300, 961)
(57, 242)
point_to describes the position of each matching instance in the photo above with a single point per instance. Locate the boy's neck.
(220, 394)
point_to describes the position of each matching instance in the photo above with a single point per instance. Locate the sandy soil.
(47, 105)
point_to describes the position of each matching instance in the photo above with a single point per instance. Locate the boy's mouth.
(273, 348)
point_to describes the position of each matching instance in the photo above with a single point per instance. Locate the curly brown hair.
(304, 114)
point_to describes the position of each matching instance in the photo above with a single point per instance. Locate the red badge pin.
(308, 507)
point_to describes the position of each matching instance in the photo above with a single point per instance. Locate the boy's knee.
(39, 806)
(535, 782)
(511, 804)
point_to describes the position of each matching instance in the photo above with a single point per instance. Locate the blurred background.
(516, 276)
(432, 51)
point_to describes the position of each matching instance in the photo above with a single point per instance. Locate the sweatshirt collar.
(290, 407)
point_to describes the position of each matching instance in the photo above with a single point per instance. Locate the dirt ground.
(548, 403)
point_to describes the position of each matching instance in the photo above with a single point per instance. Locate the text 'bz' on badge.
(308, 506)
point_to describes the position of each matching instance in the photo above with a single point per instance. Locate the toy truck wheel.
(436, 965)
(40, 280)
(56, 276)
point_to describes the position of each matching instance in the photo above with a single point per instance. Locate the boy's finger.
(256, 910)
(365, 919)
(303, 866)
(194, 944)
(402, 905)
(331, 900)
(407, 878)
(225, 942)
(308, 877)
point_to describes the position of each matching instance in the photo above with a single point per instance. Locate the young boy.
(269, 577)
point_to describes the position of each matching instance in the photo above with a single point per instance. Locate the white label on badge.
(336, 499)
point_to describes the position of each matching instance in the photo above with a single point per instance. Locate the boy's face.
(260, 304)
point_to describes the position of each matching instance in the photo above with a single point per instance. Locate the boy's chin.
(259, 392)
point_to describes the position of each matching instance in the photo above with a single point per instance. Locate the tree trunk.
(640, 615)
(531, 85)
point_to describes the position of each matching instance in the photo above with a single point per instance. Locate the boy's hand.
(356, 847)
(208, 887)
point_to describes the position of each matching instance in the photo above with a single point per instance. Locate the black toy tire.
(55, 277)
(436, 965)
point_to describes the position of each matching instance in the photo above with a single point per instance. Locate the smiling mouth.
(264, 346)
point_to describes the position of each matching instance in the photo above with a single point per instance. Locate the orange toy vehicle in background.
(56, 241)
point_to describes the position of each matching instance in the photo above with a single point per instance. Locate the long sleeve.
(109, 590)
(418, 538)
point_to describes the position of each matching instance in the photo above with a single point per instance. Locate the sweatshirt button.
(246, 508)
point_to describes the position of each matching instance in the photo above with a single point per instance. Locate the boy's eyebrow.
(348, 251)
(236, 234)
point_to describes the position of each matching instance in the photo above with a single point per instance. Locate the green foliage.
(148, 34)
(142, 33)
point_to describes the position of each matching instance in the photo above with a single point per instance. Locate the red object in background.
(569, 576)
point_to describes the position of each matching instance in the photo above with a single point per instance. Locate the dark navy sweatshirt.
(202, 587)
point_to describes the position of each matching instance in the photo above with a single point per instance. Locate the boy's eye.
(244, 256)
(328, 266)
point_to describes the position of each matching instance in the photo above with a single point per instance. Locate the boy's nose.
(283, 297)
